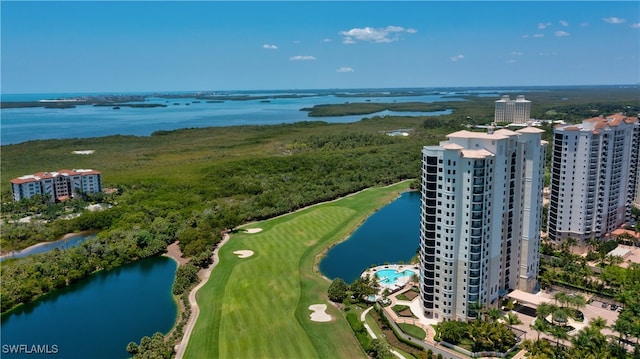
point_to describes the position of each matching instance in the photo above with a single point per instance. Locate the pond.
(390, 235)
(96, 317)
(64, 243)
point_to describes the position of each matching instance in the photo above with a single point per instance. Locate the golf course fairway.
(258, 306)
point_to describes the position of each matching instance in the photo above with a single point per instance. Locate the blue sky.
(54, 47)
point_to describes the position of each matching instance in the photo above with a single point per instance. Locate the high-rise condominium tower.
(512, 111)
(594, 177)
(480, 219)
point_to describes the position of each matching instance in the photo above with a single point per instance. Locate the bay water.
(39, 123)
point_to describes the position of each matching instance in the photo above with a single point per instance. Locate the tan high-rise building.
(516, 111)
(594, 177)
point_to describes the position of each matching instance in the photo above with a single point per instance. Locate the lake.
(97, 317)
(38, 123)
(68, 242)
(391, 234)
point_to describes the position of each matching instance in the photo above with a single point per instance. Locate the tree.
(539, 325)
(337, 290)
(362, 287)
(544, 309)
(380, 349)
(577, 301)
(561, 298)
(186, 276)
(494, 313)
(154, 347)
(512, 319)
(475, 308)
(559, 333)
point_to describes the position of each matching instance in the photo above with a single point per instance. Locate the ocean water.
(25, 124)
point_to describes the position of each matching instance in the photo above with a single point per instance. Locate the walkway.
(195, 310)
(363, 318)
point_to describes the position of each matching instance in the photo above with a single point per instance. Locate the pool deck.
(400, 283)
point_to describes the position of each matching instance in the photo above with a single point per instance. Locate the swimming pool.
(391, 276)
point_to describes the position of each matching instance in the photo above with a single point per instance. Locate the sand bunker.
(319, 313)
(243, 253)
(254, 230)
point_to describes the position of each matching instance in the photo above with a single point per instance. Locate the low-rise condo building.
(57, 185)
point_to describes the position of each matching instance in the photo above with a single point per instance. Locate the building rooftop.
(595, 124)
(497, 135)
(38, 176)
(477, 153)
(530, 129)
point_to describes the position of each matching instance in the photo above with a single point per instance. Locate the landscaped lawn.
(413, 330)
(258, 307)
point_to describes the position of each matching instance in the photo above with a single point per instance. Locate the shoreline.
(174, 252)
(9, 254)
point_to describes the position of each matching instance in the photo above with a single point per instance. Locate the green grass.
(258, 307)
(413, 330)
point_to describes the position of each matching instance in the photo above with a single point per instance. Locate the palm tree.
(559, 315)
(512, 319)
(475, 308)
(577, 301)
(539, 325)
(494, 313)
(561, 297)
(544, 309)
(598, 323)
(558, 332)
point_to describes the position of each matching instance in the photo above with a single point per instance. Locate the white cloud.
(516, 53)
(636, 25)
(296, 41)
(538, 35)
(613, 20)
(543, 25)
(456, 58)
(525, 36)
(302, 58)
(379, 35)
(269, 47)
(564, 23)
(345, 69)
(512, 61)
(327, 40)
(561, 33)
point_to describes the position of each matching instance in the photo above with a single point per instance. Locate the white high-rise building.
(480, 219)
(516, 111)
(594, 177)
